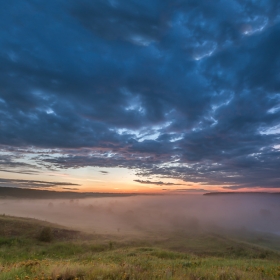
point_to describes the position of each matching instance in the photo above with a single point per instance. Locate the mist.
(147, 214)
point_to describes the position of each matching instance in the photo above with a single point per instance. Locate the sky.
(140, 96)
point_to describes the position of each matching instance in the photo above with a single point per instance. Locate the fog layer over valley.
(146, 214)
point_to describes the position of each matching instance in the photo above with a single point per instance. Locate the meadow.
(33, 249)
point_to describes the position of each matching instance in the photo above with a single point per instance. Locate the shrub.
(45, 235)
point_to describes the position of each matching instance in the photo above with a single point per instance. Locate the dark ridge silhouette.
(243, 193)
(6, 192)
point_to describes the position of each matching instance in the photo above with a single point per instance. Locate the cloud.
(11, 163)
(184, 90)
(190, 190)
(156, 183)
(134, 21)
(32, 183)
(28, 172)
(233, 187)
(104, 172)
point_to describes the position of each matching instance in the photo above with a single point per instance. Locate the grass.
(181, 255)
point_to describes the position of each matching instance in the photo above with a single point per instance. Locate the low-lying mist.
(144, 214)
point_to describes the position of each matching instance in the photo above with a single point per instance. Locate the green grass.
(180, 255)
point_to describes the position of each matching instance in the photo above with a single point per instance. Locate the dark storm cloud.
(181, 89)
(124, 20)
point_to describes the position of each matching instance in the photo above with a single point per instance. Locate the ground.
(71, 254)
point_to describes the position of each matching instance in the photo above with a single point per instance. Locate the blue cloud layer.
(178, 89)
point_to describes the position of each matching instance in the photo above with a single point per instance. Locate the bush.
(45, 235)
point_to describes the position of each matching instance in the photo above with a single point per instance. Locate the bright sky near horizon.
(140, 96)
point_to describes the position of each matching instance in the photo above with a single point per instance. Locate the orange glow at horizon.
(117, 180)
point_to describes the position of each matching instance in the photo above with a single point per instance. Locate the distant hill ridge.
(7, 192)
(243, 193)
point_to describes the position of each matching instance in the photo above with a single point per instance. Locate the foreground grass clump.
(194, 256)
(46, 235)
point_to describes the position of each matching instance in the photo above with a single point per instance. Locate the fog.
(145, 214)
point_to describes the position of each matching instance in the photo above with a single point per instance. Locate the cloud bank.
(34, 184)
(173, 89)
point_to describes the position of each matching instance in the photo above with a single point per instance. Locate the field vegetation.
(32, 249)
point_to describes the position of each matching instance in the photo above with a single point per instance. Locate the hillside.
(241, 193)
(7, 192)
(181, 255)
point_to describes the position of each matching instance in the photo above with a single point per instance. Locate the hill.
(242, 193)
(73, 255)
(6, 192)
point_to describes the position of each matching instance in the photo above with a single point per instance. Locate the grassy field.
(70, 254)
